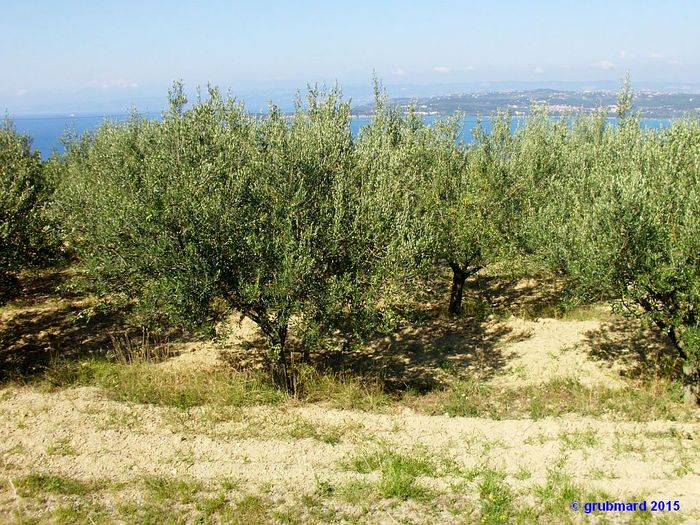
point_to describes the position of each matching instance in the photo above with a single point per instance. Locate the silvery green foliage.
(394, 161)
(618, 210)
(23, 193)
(289, 217)
(213, 209)
(430, 201)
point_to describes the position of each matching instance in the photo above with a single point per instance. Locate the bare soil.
(288, 451)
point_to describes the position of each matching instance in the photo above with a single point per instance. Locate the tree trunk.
(278, 360)
(459, 276)
(691, 373)
(691, 384)
(9, 287)
(280, 373)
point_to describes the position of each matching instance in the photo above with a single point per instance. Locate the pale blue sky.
(54, 52)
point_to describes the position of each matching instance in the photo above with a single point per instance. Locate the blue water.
(46, 132)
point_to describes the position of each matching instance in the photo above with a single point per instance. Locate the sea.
(48, 131)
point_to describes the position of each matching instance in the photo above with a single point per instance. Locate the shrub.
(621, 214)
(211, 209)
(23, 194)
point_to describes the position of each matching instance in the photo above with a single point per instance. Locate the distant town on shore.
(651, 104)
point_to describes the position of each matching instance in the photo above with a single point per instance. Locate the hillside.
(648, 104)
(506, 416)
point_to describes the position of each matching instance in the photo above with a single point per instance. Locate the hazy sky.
(52, 52)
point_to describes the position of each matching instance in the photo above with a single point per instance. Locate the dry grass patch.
(399, 472)
(152, 384)
(184, 388)
(640, 401)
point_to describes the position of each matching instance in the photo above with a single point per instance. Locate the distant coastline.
(46, 132)
(649, 104)
(657, 109)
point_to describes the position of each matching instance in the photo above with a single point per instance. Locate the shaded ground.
(420, 357)
(525, 297)
(640, 352)
(50, 320)
(46, 323)
(487, 342)
(507, 335)
(433, 350)
(423, 358)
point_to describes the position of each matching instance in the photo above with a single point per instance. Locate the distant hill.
(648, 103)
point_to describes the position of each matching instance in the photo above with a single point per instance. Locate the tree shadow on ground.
(620, 342)
(47, 321)
(427, 355)
(640, 352)
(249, 354)
(529, 298)
(432, 351)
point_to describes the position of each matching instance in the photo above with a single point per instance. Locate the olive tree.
(211, 210)
(478, 198)
(393, 166)
(23, 194)
(622, 218)
(654, 212)
(426, 204)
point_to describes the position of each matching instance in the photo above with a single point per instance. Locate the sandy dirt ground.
(124, 443)
(287, 451)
